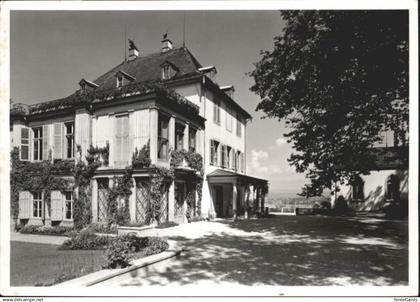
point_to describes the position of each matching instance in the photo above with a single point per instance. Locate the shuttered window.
(56, 206)
(228, 158)
(179, 136)
(37, 204)
(238, 126)
(69, 205)
(45, 142)
(122, 141)
(192, 140)
(163, 136)
(214, 146)
(228, 119)
(38, 137)
(58, 140)
(24, 144)
(69, 139)
(216, 112)
(24, 204)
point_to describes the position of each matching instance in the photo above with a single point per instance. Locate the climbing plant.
(37, 176)
(120, 191)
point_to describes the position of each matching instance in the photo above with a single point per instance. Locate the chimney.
(166, 43)
(133, 51)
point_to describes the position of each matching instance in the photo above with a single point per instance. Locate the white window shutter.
(45, 142)
(24, 202)
(24, 143)
(56, 206)
(118, 141)
(125, 140)
(58, 140)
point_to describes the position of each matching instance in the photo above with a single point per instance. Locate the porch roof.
(219, 174)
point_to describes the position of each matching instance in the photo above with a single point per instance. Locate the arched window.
(392, 188)
(357, 188)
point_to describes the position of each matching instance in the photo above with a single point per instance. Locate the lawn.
(34, 264)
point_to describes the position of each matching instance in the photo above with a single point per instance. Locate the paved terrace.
(283, 250)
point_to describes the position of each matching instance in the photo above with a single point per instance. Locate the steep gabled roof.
(147, 68)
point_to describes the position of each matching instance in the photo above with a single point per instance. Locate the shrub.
(166, 224)
(86, 240)
(196, 218)
(45, 230)
(155, 245)
(340, 206)
(102, 228)
(119, 252)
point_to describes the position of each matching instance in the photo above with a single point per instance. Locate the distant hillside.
(291, 199)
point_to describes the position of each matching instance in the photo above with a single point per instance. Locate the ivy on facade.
(48, 175)
(44, 176)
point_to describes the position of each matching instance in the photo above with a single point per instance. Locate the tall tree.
(338, 78)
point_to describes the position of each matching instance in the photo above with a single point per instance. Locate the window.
(163, 136)
(225, 160)
(24, 144)
(242, 162)
(166, 69)
(192, 142)
(228, 157)
(37, 205)
(228, 119)
(122, 152)
(238, 126)
(179, 136)
(216, 112)
(119, 81)
(214, 146)
(238, 161)
(357, 187)
(69, 205)
(69, 127)
(37, 143)
(392, 188)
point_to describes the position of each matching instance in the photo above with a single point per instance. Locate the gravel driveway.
(282, 251)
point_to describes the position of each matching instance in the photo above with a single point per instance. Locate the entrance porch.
(234, 194)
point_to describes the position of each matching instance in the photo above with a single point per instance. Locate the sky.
(51, 51)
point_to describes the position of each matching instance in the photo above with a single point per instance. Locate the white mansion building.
(165, 101)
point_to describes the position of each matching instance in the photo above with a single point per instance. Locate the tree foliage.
(337, 78)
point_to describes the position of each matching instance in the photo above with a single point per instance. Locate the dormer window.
(86, 85)
(119, 81)
(169, 70)
(123, 78)
(209, 71)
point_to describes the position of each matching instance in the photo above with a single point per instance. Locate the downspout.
(203, 98)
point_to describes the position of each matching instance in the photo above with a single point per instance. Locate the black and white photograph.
(233, 149)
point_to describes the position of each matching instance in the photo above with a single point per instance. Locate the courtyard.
(283, 251)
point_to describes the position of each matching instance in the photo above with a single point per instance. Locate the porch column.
(154, 116)
(257, 203)
(235, 200)
(132, 202)
(94, 200)
(171, 201)
(247, 193)
(262, 201)
(186, 136)
(171, 129)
